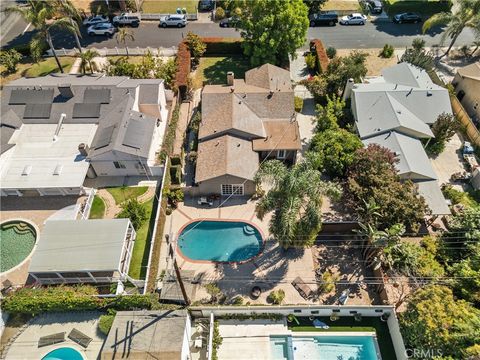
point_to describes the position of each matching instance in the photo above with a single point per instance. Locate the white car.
(101, 29)
(353, 19)
(178, 20)
(92, 20)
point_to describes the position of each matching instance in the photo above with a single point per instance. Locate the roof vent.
(429, 93)
(238, 145)
(26, 170)
(66, 90)
(58, 169)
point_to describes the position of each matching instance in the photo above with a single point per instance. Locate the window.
(297, 311)
(281, 154)
(232, 189)
(119, 165)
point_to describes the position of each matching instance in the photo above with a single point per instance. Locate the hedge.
(183, 68)
(222, 46)
(71, 298)
(176, 174)
(322, 59)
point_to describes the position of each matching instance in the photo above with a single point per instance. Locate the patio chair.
(51, 339)
(80, 338)
(302, 288)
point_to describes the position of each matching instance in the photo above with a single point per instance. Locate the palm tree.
(295, 197)
(39, 14)
(122, 36)
(467, 15)
(67, 9)
(86, 59)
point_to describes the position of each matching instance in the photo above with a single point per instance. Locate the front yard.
(168, 6)
(213, 70)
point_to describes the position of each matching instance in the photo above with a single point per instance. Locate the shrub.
(222, 46)
(192, 156)
(298, 103)
(105, 323)
(214, 291)
(331, 52)
(133, 210)
(311, 61)
(196, 46)
(216, 341)
(10, 59)
(183, 69)
(276, 297)
(176, 174)
(219, 13)
(327, 284)
(175, 160)
(387, 51)
(237, 300)
(418, 44)
(174, 196)
(322, 59)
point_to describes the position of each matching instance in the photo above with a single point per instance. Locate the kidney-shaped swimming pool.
(220, 241)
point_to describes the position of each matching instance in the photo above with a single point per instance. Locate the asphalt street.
(371, 35)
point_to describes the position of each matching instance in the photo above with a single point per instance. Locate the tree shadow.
(402, 30)
(216, 73)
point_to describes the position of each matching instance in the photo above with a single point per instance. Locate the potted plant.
(385, 317)
(291, 318)
(334, 317)
(358, 317)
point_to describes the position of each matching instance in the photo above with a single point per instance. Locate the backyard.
(168, 6)
(213, 70)
(425, 8)
(98, 208)
(121, 194)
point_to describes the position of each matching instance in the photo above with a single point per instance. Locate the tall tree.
(40, 13)
(466, 15)
(68, 10)
(314, 6)
(122, 36)
(273, 30)
(295, 197)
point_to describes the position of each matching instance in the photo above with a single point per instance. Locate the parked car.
(206, 5)
(229, 22)
(101, 29)
(353, 19)
(407, 18)
(375, 6)
(178, 20)
(97, 19)
(324, 18)
(126, 19)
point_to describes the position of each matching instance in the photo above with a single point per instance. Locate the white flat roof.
(37, 161)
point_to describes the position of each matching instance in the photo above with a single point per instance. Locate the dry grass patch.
(374, 62)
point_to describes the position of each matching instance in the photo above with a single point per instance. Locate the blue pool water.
(323, 348)
(64, 353)
(220, 241)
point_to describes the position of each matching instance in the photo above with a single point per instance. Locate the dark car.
(375, 6)
(407, 18)
(206, 5)
(229, 22)
(324, 18)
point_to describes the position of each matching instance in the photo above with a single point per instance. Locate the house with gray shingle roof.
(243, 123)
(58, 129)
(395, 111)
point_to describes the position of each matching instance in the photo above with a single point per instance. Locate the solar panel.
(104, 137)
(134, 134)
(101, 96)
(37, 111)
(82, 110)
(31, 96)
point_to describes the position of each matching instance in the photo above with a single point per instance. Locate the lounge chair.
(302, 288)
(343, 298)
(80, 338)
(51, 339)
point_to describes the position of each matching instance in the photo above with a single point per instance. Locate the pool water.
(64, 353)
(323, 348)
(220, 241)
(17, 239)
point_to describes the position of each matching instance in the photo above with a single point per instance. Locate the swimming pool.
(323, 347)
(17, 239)
(63, 353)
(219, 241)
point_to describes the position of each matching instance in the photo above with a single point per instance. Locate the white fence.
(85, 211)
(120, 51)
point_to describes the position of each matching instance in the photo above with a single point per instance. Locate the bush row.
(222, 46)
(183, 68)
(317, 48)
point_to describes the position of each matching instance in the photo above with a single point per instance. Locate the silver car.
(178, 20)
(101, 29)
(353, 19)
(92, 20)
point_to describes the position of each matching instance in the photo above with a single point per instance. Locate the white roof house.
(397, 109)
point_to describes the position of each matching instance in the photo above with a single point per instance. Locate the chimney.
(347, 92)
(83, 149)
(230, 78)
(66, 90)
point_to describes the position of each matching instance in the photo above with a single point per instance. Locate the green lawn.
(349, 324)
(213, 70)
(122, 193)
(168, 6)
(98, 208)
(138, 265)
(425, 8)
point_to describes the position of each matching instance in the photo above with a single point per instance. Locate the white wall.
(187, 334)
(396, 336)
(103, 164)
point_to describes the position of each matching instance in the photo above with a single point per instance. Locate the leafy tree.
(335, 151)
(340, 69)
(273, 30)
(10, 59)
(466, 15)
(68, 10)
(372, 177)
(276, 297)
(317, 87)
(219, 13)
(122, 36)
(166, 71)
(196, 46)
(435, 320)
(86, 60)
(133, 210)
(444, 128)
(314, 6)
(329, 114)
(467, 275)
(295, 197)
(120, 67)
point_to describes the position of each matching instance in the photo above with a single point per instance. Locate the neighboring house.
(243, 123)
(83, 251)
(58, 129)
(397, 109)
(467, 87)
(162, 334)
